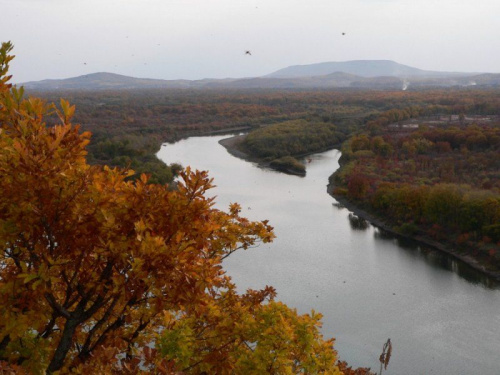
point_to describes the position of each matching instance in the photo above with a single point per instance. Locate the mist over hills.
(112, 81)
(363, 68)
(370, 74)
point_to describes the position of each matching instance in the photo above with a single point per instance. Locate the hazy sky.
(195, 39)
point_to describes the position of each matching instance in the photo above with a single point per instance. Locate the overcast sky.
(194, 39)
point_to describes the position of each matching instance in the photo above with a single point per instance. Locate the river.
(441, 316)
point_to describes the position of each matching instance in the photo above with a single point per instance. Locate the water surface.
(442, 316)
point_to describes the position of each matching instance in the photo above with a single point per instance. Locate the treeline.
(174, 114)
(136, 152)
(292, 138)
(451, 114)
(443, 183)
(467, 155)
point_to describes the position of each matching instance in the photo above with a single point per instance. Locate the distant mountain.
(489, 79)
(368, 74)
(346, 80)
(337, 79)
(363, 68)
(111, 81)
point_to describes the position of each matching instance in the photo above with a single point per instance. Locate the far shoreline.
(423, 240)
(231, 145)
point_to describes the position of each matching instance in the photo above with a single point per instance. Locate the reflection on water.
(436, 258)
(338, 205)
(358, 223)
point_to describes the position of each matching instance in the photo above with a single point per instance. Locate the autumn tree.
(105, 275)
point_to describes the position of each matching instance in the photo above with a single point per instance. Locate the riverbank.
(232, 146)
(423, 240)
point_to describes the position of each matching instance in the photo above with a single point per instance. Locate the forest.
(129, 126)
(277, 143)
(292, 138)
(433, 177)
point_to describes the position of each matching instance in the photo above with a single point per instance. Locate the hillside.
(112, 81)
(363, 68)
(337, 79)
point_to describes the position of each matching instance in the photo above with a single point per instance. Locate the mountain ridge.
(106, 80)
(363, 68)
(370, 74)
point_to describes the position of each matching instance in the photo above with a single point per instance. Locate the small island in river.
(286, 164)
(280, 145)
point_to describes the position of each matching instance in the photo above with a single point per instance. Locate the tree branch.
(56, 307)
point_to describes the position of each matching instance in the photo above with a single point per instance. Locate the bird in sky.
(343, 33)
(248, 53)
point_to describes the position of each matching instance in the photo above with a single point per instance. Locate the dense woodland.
(277, 143)
(292, 138)
(128, 127)
(436, 178)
